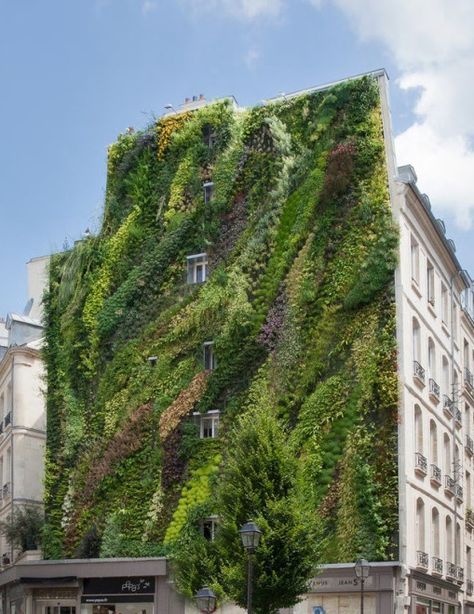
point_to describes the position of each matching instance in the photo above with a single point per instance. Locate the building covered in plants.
(225, 348)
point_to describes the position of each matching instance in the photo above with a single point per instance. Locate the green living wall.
(299, 305)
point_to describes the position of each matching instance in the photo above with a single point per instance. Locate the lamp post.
(362, 568)
(250, 535)
(205, 600)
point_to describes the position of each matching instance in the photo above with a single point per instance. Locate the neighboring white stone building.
(436, 343)
(22, 407)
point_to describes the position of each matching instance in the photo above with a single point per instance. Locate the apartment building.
(22, 408)
(436, 341)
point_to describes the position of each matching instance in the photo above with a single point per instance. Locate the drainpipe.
(457, 469)
(12, 414)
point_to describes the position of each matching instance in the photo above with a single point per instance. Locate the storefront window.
(117, 596)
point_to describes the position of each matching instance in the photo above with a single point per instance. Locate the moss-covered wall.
(299, 305)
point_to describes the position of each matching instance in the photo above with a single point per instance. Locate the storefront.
(117, 596)
(336, 590)
(96, 586)
(433, 596)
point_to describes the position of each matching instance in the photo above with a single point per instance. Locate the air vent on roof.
(426, 200)
(442, 225)
(452, 245)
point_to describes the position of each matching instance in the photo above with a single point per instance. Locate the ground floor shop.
(107, 586)
(432, 595)
(336, 590)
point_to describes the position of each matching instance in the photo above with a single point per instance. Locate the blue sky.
(75, 73)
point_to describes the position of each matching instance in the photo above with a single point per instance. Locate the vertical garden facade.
(244, 267)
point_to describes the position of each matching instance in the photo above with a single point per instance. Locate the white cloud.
(432, 43)
(243, 9)
(148, 6)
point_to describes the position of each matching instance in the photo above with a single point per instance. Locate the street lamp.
(362, 568)
(250, 535)
(205, 600)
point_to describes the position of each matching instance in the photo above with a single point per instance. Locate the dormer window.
(209, 528)
(208, 188)
(197, 268)
(210, 361)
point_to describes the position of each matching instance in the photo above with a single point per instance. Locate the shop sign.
(349, 582)
(104, 599)
(140, 585)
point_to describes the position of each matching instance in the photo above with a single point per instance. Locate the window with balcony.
(449, 546)
(197, 268)
(437, 562)
(418, 371)
(434, 390)
(422, 557)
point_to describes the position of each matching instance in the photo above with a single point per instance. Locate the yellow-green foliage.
(195, 492)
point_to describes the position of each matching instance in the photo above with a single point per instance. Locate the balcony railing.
(436, 475)
(449, 485)
(418, 372)
(422, 559)
(468, 380)
(451, 571)
(437, 565)
(448, 405)
(1, 427)
(458, 417)
(469, 518)
(421, 464)
(434, 389)
(469, 587)
(459, 492)
(8, 419)
(459, 574)
(469, 445)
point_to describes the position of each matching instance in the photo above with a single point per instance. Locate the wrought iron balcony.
(469, 445)
(469, 587)
(6, 490)
(8, 419)
(418, 372)
(469, 518)
(459, 492)
(436, 475)
(421, 464)
(449, 485)
(437, 565)
(468, 380)
(422, 559)
(458, 417)
(451, 571)
(459, 574)
(1, 427)
(448, 405)
(434, 389)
